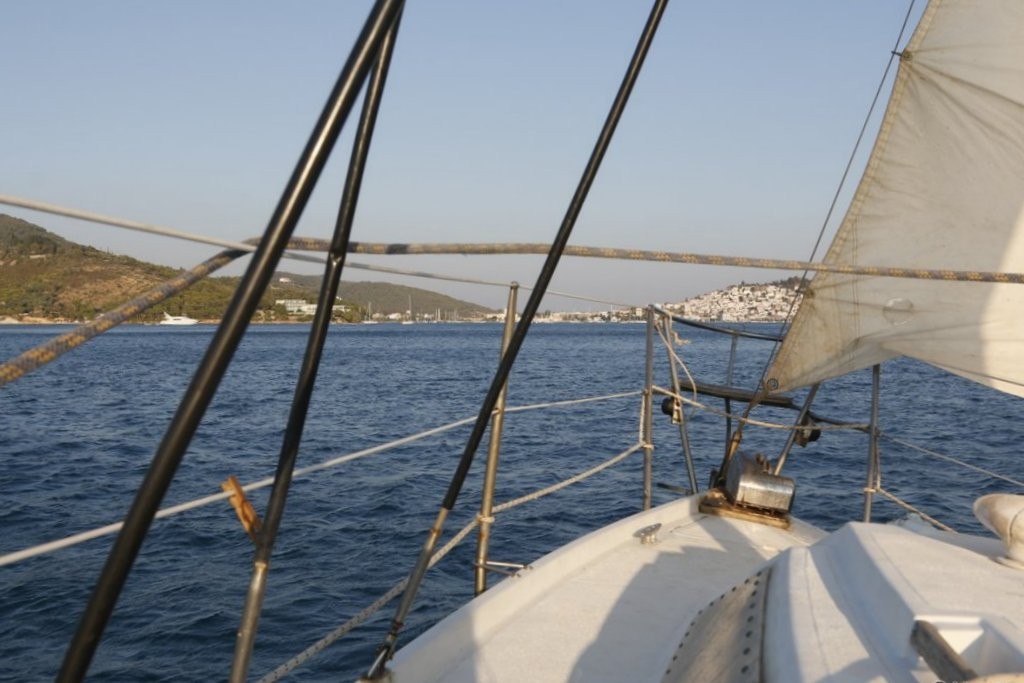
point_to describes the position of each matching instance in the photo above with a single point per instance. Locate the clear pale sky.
(192, 114)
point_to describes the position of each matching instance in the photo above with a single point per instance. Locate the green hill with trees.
(44, 276)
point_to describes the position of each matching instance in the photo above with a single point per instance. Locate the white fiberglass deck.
(843, 610)
(604, 608)
(838, 608)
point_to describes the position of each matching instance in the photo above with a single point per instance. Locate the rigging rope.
(949, 458)
(50, 350)
(127, 224)
(408, 249)
(99, 532)
(910, 508)
(570, 481)
(44, 353)
(393, 592)
(367, 612)
(667, 257)
(250, 246)
(802, 287)
(676, 359)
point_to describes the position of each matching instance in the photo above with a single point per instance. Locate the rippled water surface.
(78, 435)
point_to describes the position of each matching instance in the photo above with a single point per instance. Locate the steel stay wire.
(842, 180)
(361, 617)
(910, 508)
(267, 535)
(214, 363)
(519, 334)
(790, 314)
(949, 458)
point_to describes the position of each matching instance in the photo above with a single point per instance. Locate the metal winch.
(751, 491)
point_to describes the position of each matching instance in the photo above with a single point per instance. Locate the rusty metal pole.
(684, 437)
(647, 411)
(728, 383)
(801, 417)
(377, 669)
(493, 452)
(874, 465)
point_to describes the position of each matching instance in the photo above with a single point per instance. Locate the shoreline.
(28, 320)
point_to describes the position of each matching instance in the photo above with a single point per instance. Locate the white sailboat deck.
(608, 608)
(605, 607)
(843, 610)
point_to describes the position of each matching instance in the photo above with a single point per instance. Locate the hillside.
(44, 276)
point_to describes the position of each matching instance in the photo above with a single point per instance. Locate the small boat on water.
(177, 320)
(721, 584)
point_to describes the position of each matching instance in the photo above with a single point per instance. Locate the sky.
(192, 115)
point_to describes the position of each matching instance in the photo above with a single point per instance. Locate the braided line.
(54, 348)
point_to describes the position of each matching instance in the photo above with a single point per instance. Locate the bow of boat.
(607, 607)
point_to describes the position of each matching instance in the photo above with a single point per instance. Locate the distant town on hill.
(768, 302)
(46, 278)
(771, 302)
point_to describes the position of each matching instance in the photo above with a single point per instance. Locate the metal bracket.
(243, 508)
(648, 535)
(506, 568)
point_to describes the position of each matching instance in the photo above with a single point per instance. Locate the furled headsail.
(943, 189)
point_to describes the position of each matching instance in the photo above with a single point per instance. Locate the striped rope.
(322, 245)
(250, 245)
(138, 226)
(50, 350)
(668, 257)
(40, 355)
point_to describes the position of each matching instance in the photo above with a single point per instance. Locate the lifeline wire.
(98, 532)
(910, 508)
(802, 287)
(948, 458)
(317, 647)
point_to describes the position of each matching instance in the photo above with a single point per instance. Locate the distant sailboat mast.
(408, 319)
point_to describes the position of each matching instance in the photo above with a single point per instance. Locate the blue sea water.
(78, 435)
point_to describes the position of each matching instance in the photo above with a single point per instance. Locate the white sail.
(943, 189)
